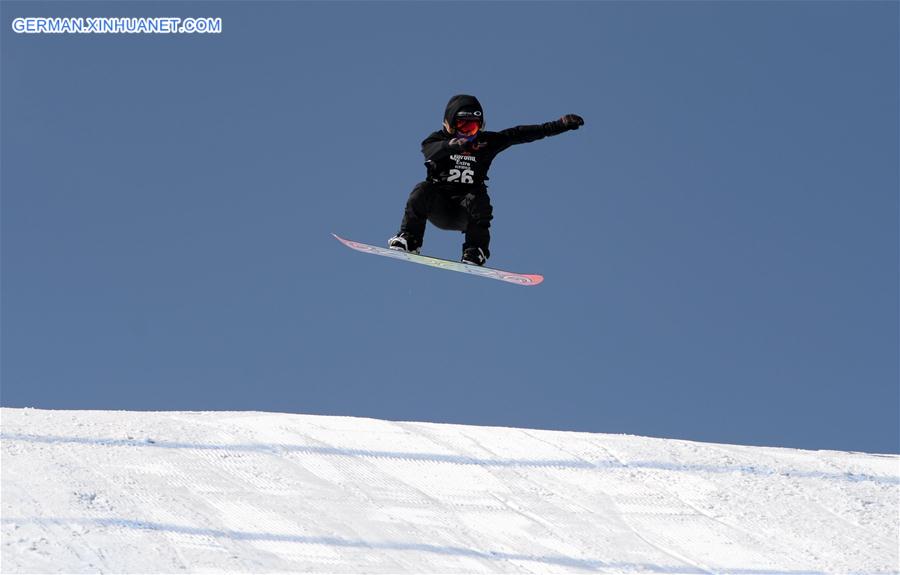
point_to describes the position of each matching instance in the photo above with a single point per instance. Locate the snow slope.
(261, 492)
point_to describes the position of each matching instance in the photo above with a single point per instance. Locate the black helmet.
(466, 110)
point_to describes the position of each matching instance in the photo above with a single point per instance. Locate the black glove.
(458, 143)
(462, 143)
(572, 121)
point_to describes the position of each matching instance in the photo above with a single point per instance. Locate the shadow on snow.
(569, 562)
(600, 465)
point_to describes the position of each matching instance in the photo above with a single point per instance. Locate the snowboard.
(511, 277)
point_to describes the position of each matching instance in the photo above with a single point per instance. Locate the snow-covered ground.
(176, 492)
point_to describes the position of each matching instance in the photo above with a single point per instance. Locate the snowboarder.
(454, 195)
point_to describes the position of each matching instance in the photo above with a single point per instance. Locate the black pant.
(449, 209)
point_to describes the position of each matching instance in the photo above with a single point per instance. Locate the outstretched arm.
(530, 133)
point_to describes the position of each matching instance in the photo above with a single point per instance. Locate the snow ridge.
(136, 492)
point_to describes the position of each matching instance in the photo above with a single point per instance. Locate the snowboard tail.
(511, 277)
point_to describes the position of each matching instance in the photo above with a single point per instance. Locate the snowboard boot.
(404, 242)
(475, 256)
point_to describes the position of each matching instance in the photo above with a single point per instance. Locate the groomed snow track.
(175, 492)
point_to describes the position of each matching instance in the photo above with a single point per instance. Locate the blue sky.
(720, 240)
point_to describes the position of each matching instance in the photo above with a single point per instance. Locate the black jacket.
(469, 166)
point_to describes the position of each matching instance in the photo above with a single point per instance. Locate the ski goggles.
(467, 127)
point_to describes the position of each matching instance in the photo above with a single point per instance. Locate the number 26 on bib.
(464, 176)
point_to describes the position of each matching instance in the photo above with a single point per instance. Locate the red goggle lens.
(468, 127)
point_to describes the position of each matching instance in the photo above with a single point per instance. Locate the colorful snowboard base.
(520, 279)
